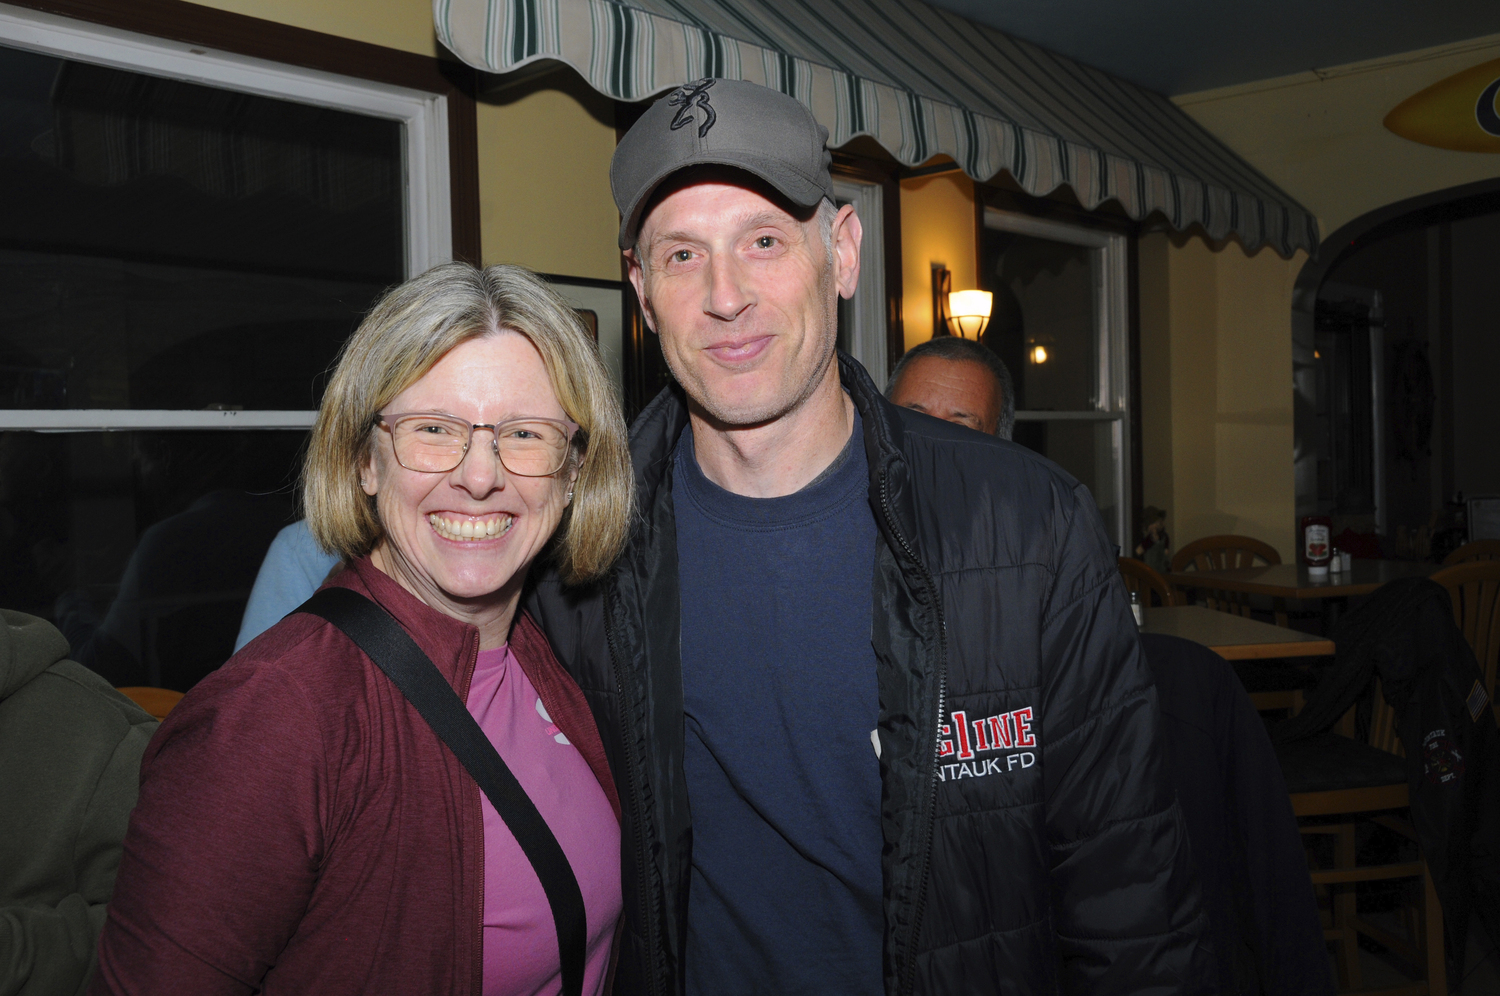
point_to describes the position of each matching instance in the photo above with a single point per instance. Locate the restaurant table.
(1293, 581)
(1233, 637)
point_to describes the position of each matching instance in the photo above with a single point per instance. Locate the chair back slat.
(1474, 589)
(1140, 577)
(1383, 735)
(156, 701)
(1478, 550)
(1222, 553)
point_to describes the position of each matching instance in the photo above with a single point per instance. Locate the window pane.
(142, 546)
(1085, 449)
(1045, 298)
(170, 245)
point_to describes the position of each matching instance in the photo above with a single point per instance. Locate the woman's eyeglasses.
(430, 443)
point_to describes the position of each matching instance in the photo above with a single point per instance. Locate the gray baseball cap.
(727, 123)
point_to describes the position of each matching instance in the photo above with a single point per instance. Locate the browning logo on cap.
(689, 96)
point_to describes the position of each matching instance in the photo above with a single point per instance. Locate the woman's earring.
(569, 499)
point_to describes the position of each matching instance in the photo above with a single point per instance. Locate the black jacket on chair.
(1405, 633)
(1267, 937)
(1032, 841)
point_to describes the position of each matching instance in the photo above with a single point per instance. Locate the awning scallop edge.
(918, 80)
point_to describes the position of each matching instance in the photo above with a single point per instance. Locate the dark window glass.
(1044, 297)
(1085, 449)
(171, 245)
(1045, 324)
(1345, 421)
(142, 546)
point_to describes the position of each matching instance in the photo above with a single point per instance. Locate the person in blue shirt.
(293, 569)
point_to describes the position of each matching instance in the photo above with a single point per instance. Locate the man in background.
(957, 380)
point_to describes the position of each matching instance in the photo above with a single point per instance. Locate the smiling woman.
(469, 429)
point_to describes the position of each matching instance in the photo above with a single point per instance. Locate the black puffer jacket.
(1032, 842)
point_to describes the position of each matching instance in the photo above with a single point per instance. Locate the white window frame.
(424, 116)
(1112, 324)
(867, 340)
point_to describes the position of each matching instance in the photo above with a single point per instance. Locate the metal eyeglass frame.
(389, 421)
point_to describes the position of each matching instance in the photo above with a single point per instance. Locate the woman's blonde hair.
(402, 338)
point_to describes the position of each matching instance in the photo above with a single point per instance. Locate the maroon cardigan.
(301, 828)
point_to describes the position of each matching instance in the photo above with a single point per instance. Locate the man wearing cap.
(869, 682)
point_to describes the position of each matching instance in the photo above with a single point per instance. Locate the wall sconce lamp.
(1038, 354)
(961, 313)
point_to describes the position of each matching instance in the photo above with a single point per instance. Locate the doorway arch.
(1447, 205)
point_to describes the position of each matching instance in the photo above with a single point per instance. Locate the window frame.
(179, 40)
(869, 339)
(1114, 324)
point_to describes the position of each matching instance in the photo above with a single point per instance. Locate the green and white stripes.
(918, 80)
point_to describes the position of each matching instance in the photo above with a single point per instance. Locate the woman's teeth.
(468, 529)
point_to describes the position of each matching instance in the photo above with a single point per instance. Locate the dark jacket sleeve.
(1126, 909)
(224, 846)
(48, 947)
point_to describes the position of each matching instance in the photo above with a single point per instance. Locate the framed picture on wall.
(591, 320)
(600, 304)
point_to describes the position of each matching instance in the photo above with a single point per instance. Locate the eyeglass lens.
(434, 444)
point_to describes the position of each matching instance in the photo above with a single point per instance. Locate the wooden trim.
(563, 278)
(642, 366)
(1051, 208)
(1256, 651)
(1247, 580)
(241, 34)
(1133, 391)
(888, 176)
(1370, 873)
(1360, 800)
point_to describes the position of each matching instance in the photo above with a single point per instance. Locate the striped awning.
(916, 79)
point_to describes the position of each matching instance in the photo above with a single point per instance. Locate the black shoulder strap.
(374, 631)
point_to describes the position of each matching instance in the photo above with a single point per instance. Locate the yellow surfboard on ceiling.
(1457, 113)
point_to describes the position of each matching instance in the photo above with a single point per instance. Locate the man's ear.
(847, 233)
(637, 275)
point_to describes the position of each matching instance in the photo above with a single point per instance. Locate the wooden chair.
(1222, 553)
(156, 701)
(1474, 589)
(1335, 775)
(1477, 550)
(1139, 577)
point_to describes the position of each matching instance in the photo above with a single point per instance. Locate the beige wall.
(544, 194)
(1319, 134)
(403, 24)
(937, 226)
(543, 150)
(1216, 389)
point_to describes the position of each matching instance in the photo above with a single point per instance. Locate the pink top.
(520, 939)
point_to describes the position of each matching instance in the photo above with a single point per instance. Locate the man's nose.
(727, 293)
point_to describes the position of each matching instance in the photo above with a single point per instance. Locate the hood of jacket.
(28, 646)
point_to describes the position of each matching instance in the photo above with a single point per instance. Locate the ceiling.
(1181, 46)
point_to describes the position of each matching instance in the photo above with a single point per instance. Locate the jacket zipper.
(648, 921)
(909, 983)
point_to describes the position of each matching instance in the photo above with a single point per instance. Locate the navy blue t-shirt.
(779, 702)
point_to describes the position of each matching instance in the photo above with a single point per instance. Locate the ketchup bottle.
(1317, 544)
